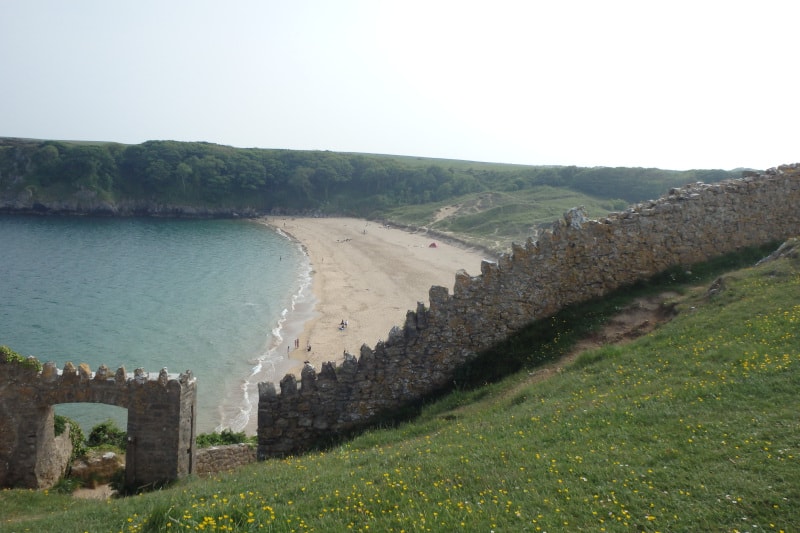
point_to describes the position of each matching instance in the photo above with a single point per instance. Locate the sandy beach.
(369, 276)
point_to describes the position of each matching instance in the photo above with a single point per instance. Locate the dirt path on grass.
(639, 318)
(100, 492)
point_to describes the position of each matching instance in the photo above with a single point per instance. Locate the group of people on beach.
(342, 327)
(297, 346)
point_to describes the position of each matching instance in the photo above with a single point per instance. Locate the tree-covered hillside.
(268, 180)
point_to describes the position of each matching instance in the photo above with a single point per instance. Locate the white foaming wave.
(276, 331)
(303, 275)
(238, 421)
(271, 355)
(263, 368)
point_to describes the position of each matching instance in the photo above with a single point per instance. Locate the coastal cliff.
(87, 202)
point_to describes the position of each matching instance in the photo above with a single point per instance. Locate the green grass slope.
(493, 220)
(692, 427)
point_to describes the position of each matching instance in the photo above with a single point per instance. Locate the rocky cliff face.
(88, 203)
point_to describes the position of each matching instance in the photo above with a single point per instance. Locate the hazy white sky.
(671, 84)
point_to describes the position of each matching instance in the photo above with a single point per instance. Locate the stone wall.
(55, 461)
(578, 260)
(161, 419)
(223, 458)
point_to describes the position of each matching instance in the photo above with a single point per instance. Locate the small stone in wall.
(576, 217)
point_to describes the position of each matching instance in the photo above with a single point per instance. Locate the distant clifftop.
(169, 178)
(89, 203)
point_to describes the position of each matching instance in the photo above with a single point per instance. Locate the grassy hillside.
(214, 180)
(493, 220)
(692, 427)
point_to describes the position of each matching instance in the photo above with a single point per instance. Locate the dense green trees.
(207, 174)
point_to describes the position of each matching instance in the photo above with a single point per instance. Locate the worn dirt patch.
(100, 492)
(445, 212)
(642, 316)
(639, 318)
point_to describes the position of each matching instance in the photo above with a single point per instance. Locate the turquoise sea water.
(215, 296)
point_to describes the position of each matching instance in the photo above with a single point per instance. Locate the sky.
(669, 84)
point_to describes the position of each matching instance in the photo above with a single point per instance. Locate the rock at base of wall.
(98, 468)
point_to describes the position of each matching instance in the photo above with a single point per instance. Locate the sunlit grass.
(496, 219)
(691, 428)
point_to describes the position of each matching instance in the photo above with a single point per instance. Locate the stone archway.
(161, 419)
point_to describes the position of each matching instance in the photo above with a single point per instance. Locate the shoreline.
(367, 275)
(239, 409)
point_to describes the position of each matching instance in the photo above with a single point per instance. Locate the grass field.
(496, 219)
(692, 427)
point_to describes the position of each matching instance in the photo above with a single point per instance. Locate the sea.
(222, 298)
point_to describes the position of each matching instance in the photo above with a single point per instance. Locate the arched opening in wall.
(99, 449)
(88, 415)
